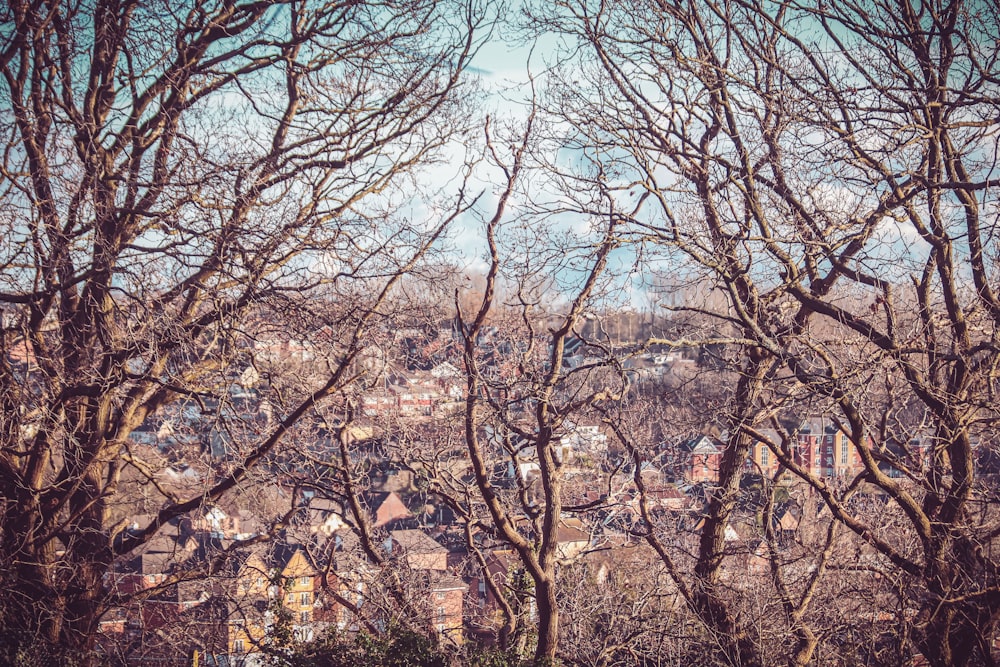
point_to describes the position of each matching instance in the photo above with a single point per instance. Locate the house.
(666, 495)
(171, 546)
(172, 636)
(824, 450)
(503, 569)
(761, 460)
(214, 520)
(323, 516)
(414, 394)
(341, 584)
(414, 398)
(228, 617)
(700, 459)
(730, 534)
(419, 550)
(295, 581)
(257, 581)
(143, 572)
(391, 475)
(447, 595)
(246, 593)
(222, 618)
(584, 439)
(786, 520)
(914, 454)
(446, 592)
(845, 459)
(573, 538)
(377, 403)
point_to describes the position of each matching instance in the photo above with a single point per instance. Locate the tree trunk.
(548, 621)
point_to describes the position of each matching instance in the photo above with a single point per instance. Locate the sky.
(504, 66)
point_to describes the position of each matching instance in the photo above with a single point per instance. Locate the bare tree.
(829, 170)
(171, 175)
(519, 393)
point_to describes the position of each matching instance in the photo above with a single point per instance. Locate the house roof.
(572, 530)
(292, 560)
(446, 582)
(816, 425)
(149, 563)
(385, 507)
(788, 521)
(771, 435)
(325, 505)
(702, 445)
(416, 542)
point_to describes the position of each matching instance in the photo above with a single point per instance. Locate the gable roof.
(385, 507)
(787, 518)
(291, 560)
(702, 445)
(416, 541)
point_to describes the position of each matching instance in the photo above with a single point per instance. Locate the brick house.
(447, 593)
(427, 559)
(824, 450)
(761, 460)
(700, 459)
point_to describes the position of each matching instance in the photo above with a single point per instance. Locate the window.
(440, 619)
(238, 646)
(305, 598)
(305, 617)
(291, 598)
(305, 581)
(765, 455)
(843, 450)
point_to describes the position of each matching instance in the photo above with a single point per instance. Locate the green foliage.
(493, 657)
(398, 647)
(22, 650)
(280, 634)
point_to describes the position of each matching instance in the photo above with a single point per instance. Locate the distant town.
(284, 557)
